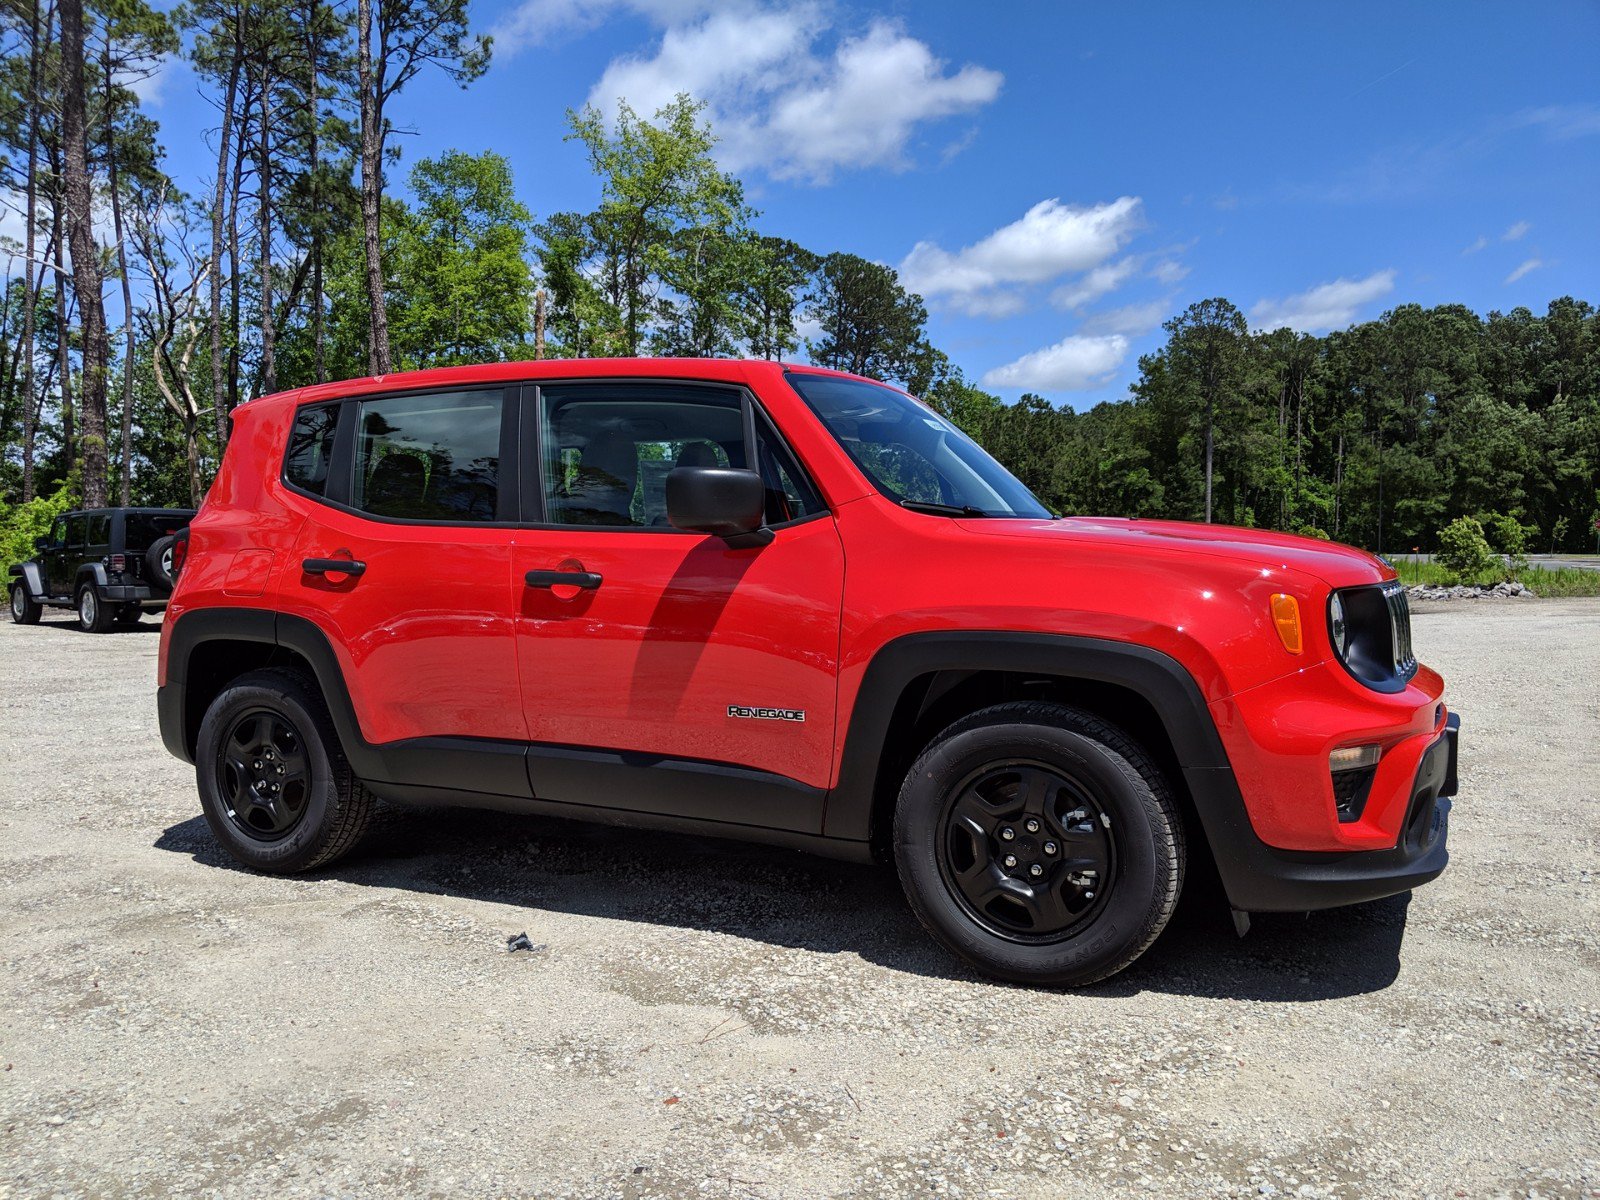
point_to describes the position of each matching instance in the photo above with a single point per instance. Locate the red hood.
(1335, 564)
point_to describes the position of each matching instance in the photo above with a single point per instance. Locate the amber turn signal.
(1286, 619)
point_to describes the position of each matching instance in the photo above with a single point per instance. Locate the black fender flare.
(94, 572)
(31, 577)
(1158, 678)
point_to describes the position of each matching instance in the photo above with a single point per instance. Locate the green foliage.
(1543, 580)
(20, 524)
(1464, 552)
(1509, 537)
(870, 324)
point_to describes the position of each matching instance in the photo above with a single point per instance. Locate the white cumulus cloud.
(1051, 239)
(777, 97)
(1106, 278)
(1324, 307)
(1073, 364)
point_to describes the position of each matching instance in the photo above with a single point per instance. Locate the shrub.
(1507, 535)
(21, 523)
(1464, 551)
(1314, 531)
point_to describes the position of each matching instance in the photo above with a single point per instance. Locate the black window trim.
(520, 490)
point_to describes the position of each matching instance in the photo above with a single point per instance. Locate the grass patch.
(1561, 581)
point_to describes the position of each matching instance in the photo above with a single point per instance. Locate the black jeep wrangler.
(111, 564)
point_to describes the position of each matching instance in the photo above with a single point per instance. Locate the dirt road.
(709, 1020)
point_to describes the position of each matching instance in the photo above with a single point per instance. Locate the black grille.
(1405, 661)
(1350, 790)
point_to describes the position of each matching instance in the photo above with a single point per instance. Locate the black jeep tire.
(158, 561)
(24, 608)
(129, 614)
(94, 614)
(1034, 789)
(327, 813)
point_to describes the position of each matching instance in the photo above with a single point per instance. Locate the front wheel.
(274, 784)
(24, 608)
(1039, 843)
(93, 614)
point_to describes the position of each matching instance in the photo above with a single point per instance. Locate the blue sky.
(1058, 179)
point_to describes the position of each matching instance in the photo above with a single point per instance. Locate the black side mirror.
(722, 501)
(42, 543)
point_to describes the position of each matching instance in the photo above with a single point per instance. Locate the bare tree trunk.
(218, 207)
(269, 367)
(69, 438)
(125, 492)
(1210, 441)
(371, 85)
(314, 106)
(85, 256)
(191, 447)
(234, 273)
(538, 323)
(29, 296)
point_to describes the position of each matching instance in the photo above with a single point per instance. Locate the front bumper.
(1262, 878)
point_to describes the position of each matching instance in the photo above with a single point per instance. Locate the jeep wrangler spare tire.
(158, 560)
(1039, 843)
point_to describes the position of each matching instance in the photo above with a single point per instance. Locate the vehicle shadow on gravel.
(69, 624)
(785, 898)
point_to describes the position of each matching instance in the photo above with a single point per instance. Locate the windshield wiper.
(944, 510)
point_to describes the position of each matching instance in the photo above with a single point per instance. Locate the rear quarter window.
(310, 452)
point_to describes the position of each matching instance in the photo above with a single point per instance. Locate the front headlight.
(1336, 626)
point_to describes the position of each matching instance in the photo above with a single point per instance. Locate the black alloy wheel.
(263, 775)
(1027, 851)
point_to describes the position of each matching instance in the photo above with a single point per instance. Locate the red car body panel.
(440, 637)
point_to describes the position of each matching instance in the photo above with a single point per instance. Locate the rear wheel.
(274, 784)
(24, 608)
(1039, 843)
(94, 616)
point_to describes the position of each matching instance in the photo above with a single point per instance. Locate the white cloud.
(1516, 233)
(152, 89)
(777, 100)
(1324, 307)
(1169, 271)
(1526, 268)
(1106, 278)
(1073, 364)
(1047, 241)
(1560, 122)
(538, 22)
(12, 222)
(1477, 245)
(1131, 320)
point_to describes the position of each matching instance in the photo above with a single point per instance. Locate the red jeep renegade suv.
(780, 603)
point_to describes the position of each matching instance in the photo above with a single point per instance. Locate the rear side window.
(311, 448)
(433, 457)
(143, 530)
(99, 530)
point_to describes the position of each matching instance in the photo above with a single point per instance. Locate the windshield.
(911, 453)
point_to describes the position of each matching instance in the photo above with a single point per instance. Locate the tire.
(158, 561)
(24, 608)
(1065, 794)
(325, 808)
(94, 615)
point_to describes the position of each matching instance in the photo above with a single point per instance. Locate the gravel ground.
(707, 1020)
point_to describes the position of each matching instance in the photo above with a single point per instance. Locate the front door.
(681, 646)
(65, 553)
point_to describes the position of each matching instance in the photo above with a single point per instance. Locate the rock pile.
(1511, 590)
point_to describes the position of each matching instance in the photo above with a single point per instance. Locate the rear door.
(410, 486)
(684, 647)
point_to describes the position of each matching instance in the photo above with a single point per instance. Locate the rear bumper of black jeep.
(1260, 878)
(133, 593)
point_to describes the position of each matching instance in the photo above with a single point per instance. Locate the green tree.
(870, 324)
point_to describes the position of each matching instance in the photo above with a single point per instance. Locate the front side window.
(608, 448)
(432, 457)
(912, 454)
(77, 530)
(311, 448)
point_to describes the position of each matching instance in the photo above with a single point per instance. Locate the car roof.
(729, 370)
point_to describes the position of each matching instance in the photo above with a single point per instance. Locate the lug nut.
(1036, 870)
(256, 765)
(1088, 895)
(1049, 847)
(1007, 834)
(1032, 825)
(1010, 860)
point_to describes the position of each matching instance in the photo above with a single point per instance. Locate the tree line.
(308, 255)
